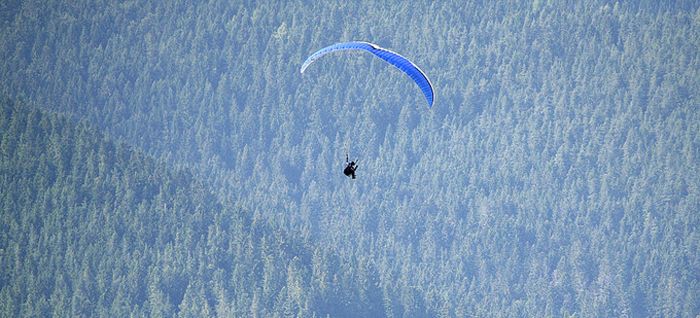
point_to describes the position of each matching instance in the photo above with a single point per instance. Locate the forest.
(168, 159)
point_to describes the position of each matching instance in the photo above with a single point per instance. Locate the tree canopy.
(167, 158)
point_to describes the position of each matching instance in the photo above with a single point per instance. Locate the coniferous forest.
(168, 159)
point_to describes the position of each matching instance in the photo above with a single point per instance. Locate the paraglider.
(350, 167)
(393, 58)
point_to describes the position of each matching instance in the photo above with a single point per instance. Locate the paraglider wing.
(393, 58)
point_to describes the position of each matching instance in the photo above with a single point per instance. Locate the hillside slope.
(95, 228)
(557, 173)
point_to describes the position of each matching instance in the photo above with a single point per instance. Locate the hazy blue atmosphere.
(168, 159)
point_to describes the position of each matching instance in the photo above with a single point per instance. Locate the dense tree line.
(556, 175)
(95, 228)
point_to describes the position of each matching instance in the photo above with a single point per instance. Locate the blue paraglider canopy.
(395, 59)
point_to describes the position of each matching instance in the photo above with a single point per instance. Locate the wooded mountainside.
(168, 159)
(93, 228)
